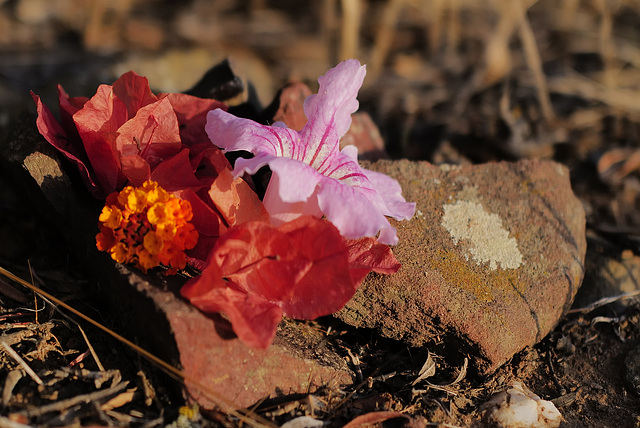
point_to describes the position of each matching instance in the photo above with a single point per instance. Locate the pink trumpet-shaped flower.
(310, 175)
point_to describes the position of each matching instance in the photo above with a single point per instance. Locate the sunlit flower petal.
(309, 173)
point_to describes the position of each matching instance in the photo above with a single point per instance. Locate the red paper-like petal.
(177, 173)
(97, 125)
(207, 222)
(326, 286)
(136, 169)
(68, 107)
(235, 200)
(244, 246)
(254, 319)
(192, 116)
(134, 91)
(302, 266)
(366, 255)
(152, 134)
(51, 130)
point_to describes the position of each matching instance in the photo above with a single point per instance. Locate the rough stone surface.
(204, 347)
(491, 260)
(210, 355)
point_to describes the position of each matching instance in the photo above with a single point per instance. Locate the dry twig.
(22, 363)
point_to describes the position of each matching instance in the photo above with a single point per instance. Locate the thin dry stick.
(22, 363)
(532, 56)
(453, 28)
(35, 296)
(350, 29)
(93, 352)
(59, 406)
(607, 49)
(223, 403)
(604, 301)
(329, 24)
(576, 84)
(568, 14)
(433, 11)
(384, 37)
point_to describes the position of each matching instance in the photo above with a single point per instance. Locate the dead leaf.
(427, 370)
(119, 400)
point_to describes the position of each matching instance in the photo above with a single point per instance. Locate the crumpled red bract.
(303, 269)
(122, 133)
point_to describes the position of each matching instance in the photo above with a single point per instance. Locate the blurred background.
(460, 81)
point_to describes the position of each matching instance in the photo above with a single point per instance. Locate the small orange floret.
(147, 226)
(152, 242)
(106, 239)
(111, 217)
(186, 237)
(157, 214)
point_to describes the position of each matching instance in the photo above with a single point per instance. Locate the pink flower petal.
(329, 112)
(390, 201)
(353, 213)
(297, 180)
(309, 174)
(233, 133)
(281, 211)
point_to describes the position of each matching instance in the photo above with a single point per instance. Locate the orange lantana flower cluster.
(147, 226)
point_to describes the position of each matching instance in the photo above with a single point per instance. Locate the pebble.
(518, 407)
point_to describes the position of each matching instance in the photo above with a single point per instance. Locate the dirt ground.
(459, 82)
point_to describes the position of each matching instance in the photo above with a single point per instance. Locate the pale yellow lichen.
(488, 241)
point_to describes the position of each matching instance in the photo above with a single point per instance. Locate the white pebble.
(518, 407)
(303, 422)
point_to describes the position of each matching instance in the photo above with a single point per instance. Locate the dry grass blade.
(532, 56)
(604, 301)
(226, 405)
(384, 37)
(579, 85)
(93, 352)
(61, 405)
(446, 387)
(22, 363)
(350, 29)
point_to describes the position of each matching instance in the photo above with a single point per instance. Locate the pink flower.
(309, 173)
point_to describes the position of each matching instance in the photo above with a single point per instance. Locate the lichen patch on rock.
(489, 242)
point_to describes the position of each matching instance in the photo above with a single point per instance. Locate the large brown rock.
(491, 260)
